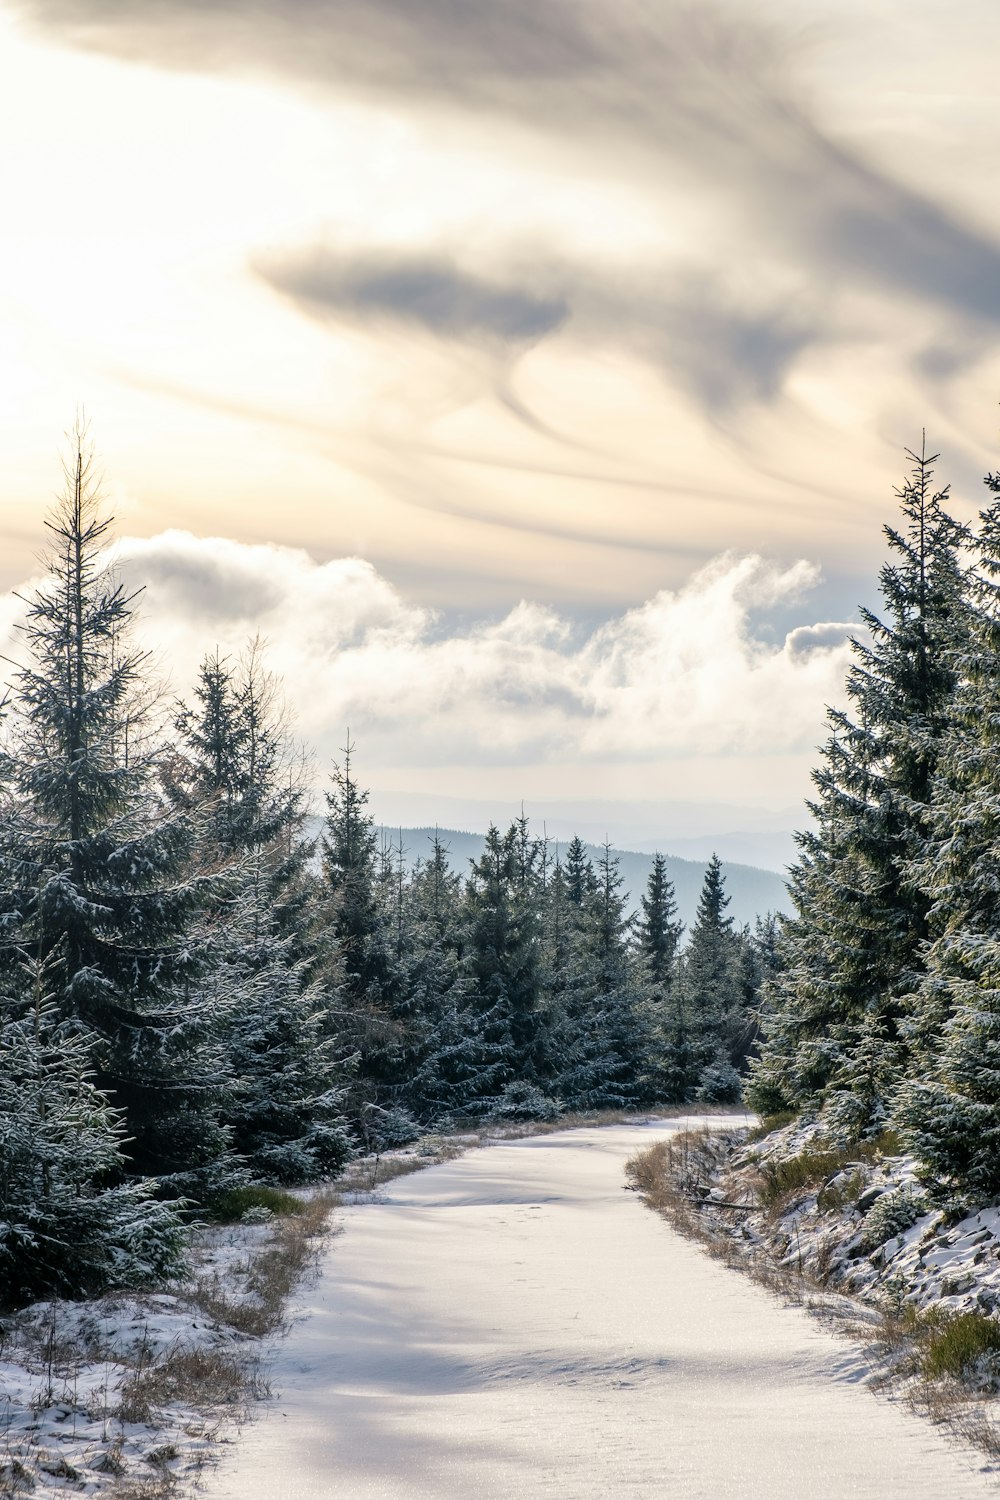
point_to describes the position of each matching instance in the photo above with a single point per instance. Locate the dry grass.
(271, 1272)
(205, 1379)
(159, 1485)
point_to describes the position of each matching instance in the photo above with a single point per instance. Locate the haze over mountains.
(753, 892)
(759, 836)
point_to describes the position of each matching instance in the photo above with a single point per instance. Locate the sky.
(533, 377)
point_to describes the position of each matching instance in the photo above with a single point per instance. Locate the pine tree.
(709, 993)
(854, 954)
(949, 1109)
(66, 1228)
(659, 935)
(285, 1104)
(95, 868)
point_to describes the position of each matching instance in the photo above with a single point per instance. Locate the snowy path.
(513, 1324)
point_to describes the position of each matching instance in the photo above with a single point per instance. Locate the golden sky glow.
(552, 303)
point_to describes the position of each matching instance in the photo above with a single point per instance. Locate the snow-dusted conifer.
(949, 1113)
(66, 1228)
(237, 764)
(502, 953)
(658, 936)
(457, 1069)
(708, 994)
(94, 866)
(853, 954)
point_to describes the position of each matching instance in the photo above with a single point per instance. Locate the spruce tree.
(618, 999)
(457, 1069)
(360, 928)
(581, 882)
(503, 946)
(853, 956)
(571, 1042)
(658, 930)
(96, 870)
(949, 1111)
(237, 763)
(709, 994)
(67, 1228)
(658, 936)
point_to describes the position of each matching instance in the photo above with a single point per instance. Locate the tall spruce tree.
(948, 1111)
(658, 935)
(618, 1012)
(238, 765)
(95, 868)
(457, 1069)
(572, 1047)
(853, 954)
(709, 992)
(361, 930)
(503, 946)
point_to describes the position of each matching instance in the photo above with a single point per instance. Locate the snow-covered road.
(513, 1324)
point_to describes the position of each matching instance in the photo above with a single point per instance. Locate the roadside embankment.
(854, 1235)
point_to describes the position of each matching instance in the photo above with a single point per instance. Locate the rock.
(868, 1197)
(57, 1466)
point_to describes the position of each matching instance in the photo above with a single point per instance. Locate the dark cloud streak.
(430, 292)
(629, 85)
(720, 354)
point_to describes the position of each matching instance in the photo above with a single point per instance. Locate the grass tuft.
(781, 1179)
(230, 1207)
(960, 1345)
(770, 1123)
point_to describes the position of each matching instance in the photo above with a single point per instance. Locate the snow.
(933, 1263)
(66, 1366)
(514, 1323)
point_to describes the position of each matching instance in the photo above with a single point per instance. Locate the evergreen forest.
(194, 996)
(881, 1018)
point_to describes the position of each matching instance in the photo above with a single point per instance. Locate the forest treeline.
(883, 1015)
(194, 997)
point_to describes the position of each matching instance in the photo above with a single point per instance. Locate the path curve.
(513, 1324)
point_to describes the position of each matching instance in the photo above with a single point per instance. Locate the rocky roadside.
(854, 1236)
(857, 1221)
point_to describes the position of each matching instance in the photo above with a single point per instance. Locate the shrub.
(841, 1191)
(524, 1101)
(385, 1129)
(890, 1215)
(235, 1205)
(809, 1169)
(719, 1083)
(963, 1345)
(770, 1123)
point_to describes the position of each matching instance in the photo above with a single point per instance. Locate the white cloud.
(687, 673)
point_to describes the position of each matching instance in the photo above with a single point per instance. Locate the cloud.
(432, 293)
(687, 325)
(704, 87)
(682, 674)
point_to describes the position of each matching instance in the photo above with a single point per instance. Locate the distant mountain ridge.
(752, 891)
